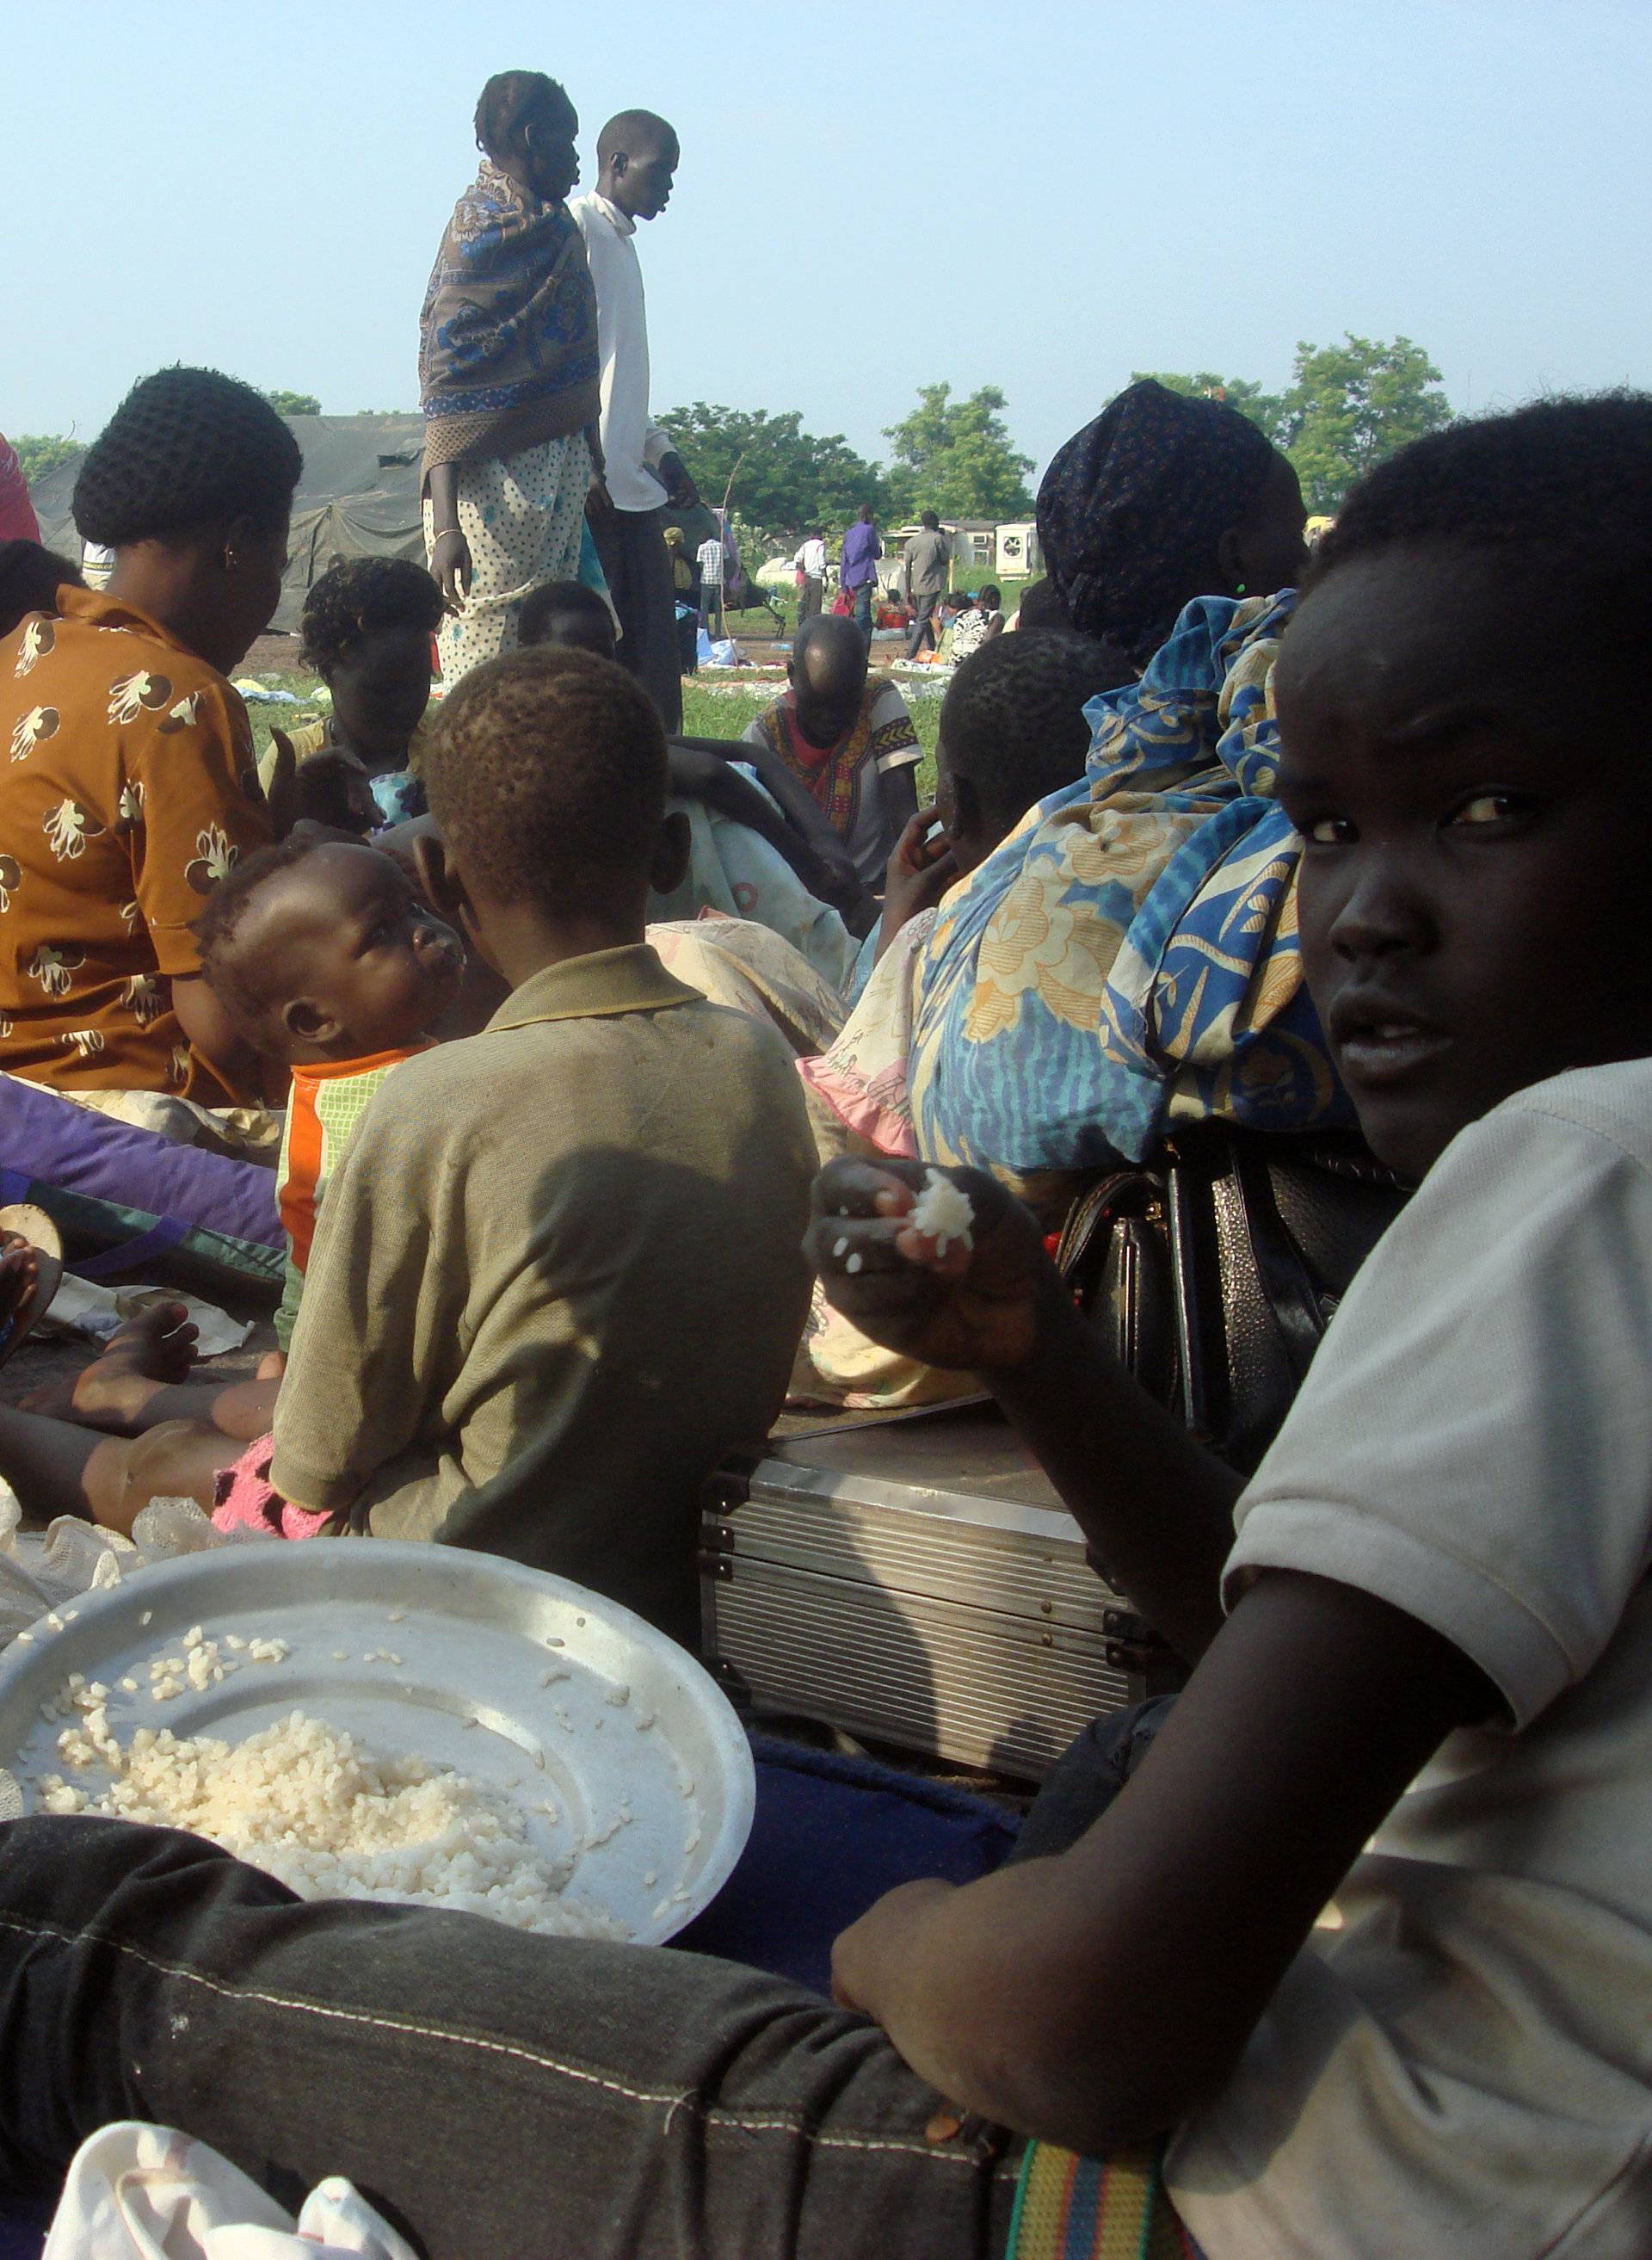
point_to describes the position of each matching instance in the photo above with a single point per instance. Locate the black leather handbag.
(1213, 1272)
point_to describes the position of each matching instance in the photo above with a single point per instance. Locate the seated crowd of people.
(1344, 1945)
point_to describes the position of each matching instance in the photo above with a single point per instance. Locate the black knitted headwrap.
(186, 449)
(1132, 507)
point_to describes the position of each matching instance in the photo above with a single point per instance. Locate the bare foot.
(19, 1275)
(155, 1350)
(27, 1283)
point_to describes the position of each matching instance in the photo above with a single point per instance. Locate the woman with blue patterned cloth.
(1128, 955)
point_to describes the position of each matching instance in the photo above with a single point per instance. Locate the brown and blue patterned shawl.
(507, 337)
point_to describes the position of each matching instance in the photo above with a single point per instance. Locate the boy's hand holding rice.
(943, 1265)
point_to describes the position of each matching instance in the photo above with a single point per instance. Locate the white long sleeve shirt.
(633, 442)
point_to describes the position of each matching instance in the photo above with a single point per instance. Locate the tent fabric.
(359, 495)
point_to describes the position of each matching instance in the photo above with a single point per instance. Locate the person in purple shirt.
(857, 574)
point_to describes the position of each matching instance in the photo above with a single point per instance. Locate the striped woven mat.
(1072, 2208)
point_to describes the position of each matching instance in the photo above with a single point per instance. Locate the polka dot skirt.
(523, 517)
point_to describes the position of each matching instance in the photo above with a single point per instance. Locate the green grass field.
(711, 709)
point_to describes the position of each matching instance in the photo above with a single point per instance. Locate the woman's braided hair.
(511, 100)
(187, 448)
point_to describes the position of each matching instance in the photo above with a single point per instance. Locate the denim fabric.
(497, 2097)
(1087, 1777)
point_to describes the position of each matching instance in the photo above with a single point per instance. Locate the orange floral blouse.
(127, 792)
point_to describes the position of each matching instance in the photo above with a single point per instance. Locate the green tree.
(954, 457)
(41, 451)
(1350, 405)
(1264, 409)
(293, 404)
(783, 478)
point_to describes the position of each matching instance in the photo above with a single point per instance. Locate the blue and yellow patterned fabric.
(1128, 957)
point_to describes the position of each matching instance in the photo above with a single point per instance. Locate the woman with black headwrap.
(1162, 500)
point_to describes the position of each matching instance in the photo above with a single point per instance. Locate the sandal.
(22, 1225)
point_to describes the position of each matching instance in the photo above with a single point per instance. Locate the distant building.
(1019, 557)
(981, 551)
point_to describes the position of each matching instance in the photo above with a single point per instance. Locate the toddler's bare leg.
(141, 1382)
(56, 1468)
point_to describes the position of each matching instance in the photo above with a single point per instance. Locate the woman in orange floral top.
(127, 789)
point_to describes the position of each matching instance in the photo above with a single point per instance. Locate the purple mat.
(50, 1139)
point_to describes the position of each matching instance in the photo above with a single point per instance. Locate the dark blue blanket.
(831, 1835)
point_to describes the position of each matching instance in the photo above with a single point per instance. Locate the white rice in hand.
(313, 1807)
(943, 1213)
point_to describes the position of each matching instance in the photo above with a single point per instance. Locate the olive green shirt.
(559, 1275)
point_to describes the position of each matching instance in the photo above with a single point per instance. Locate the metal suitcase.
(915, 1578)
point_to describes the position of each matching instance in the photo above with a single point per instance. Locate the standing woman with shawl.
(508, 377)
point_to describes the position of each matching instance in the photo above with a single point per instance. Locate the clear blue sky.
(1041, 194)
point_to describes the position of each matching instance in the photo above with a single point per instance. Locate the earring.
(1240, 589)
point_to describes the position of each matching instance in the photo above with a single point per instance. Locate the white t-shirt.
(710, 554)
(1462, 2069)
(633, 443)
(811, 559)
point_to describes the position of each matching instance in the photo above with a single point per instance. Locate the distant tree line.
(953, 456)
(1345, 407)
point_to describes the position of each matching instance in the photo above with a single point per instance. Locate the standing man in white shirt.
(710, 561)
(637, 156)
(810, 562)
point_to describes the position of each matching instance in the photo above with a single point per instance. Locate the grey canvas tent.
(358, 498)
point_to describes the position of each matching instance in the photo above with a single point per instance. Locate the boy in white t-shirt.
(1369, 1930)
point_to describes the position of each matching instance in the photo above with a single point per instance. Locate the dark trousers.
(810, 597)
(923, 627)
(864, 611)
(631, 543)
(498, 2097)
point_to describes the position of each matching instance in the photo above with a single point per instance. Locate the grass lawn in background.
(712, 707)
(721, 708)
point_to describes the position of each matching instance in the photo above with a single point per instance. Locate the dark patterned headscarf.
(1132, 509)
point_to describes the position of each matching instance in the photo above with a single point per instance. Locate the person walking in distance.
(637, 156)
(925, 562)
(711, 560)
(810, 562)
(858, 571)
